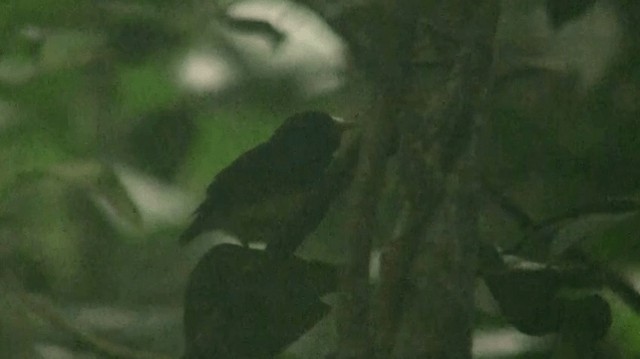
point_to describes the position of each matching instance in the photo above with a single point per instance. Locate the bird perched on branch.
(280, 190)
(241, 303)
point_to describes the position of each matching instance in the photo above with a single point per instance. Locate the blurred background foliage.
(114, 116)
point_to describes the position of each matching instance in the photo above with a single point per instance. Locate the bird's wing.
(265, 171)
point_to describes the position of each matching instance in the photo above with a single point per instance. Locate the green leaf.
(64, 49)
(145, 88)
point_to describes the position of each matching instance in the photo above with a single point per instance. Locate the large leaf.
(563, 11)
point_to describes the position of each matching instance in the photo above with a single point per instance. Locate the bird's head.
(313, 130)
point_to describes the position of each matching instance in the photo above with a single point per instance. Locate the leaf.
(16, 70)
(65, 49)
(145, 88)
(585, 319)
(573, 227)
(255, 26)
(531, 295)
(137, 38)
(242, 303)
(131, 201)
(563, 11)
(104, 186)
(49, 13)
(157, 203)
(554, 236)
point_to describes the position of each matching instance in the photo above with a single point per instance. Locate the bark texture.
(432, 64)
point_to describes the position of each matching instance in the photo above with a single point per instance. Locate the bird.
(268, 192)
(241, 303)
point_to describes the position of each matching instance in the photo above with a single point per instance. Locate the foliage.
(114, 117)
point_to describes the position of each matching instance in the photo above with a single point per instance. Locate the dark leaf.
(136, 39)
(527, 297)
(529, 293)
(569, 229)
(243, 303)
(586, 319)
(563, 11)
(159, 143)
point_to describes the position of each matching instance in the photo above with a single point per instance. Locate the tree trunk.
(433, 66)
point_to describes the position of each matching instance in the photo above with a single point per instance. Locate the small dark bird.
(267, 191)
(241, 303)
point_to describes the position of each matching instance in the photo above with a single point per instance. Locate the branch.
(540, 231)
(353, 317)
(390, 74)
(439, 172)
